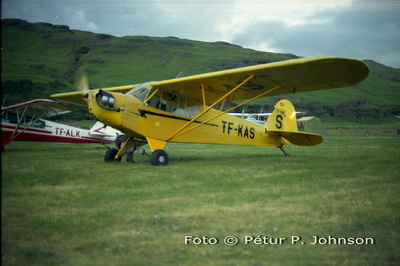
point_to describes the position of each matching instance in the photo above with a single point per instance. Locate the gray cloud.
(359, 29)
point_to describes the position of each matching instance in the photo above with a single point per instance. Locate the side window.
(39, 124)
(164, 101)
(162, 105)
(9, 118)
(175, 104)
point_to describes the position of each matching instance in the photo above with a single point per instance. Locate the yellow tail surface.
(283, 122)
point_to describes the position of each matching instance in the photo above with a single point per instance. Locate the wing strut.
(204, 96)
(222, 113)
(211, 106)
(21, 119)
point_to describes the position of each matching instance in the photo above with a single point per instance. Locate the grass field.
(62, 205)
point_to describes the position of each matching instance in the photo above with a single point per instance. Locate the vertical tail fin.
(283, 118)
(283, 122)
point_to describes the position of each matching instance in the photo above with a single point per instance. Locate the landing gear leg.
(283, 150)
(128, 145)
(129, 155)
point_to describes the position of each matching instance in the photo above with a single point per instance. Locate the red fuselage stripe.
(44, 136)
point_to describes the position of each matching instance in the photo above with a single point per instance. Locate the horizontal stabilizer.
(101, 130)
(299, 138)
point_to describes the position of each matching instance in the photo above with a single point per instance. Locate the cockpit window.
(141, 91)
(39, 124)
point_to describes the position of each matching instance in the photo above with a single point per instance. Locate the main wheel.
(159, 157)
(109, 156)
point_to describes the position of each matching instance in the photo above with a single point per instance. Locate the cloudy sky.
(363, 29)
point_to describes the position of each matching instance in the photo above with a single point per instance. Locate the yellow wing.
(78, 96)
(297, 75)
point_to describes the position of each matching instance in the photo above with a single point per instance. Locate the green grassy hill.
(40, 59)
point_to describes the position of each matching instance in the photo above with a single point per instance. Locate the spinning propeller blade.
(84, 84)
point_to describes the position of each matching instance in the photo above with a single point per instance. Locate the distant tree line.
(354, 109)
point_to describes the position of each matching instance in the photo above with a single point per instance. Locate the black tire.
(109, 156)
(159, 157)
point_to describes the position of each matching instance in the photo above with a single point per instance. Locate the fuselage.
(48, 131)
(170, 121)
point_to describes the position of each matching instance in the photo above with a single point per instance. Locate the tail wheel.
(109, 156)
(159, 157)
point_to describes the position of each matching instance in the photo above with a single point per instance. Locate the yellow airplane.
(182, 109)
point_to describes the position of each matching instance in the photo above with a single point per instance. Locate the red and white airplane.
(24, 122)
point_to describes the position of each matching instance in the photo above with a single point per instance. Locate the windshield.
(140, 91)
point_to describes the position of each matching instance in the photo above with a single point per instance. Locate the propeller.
(105, 99)
(83, 84)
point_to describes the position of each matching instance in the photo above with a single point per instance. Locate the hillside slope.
(40, 59)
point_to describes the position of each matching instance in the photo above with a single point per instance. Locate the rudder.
(283, 118)
(283, 122)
